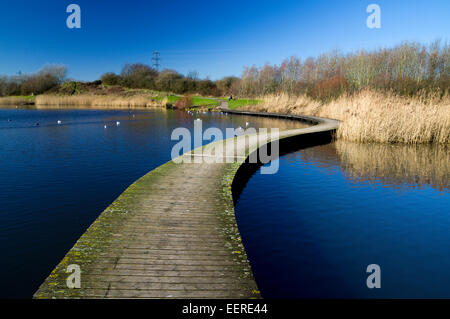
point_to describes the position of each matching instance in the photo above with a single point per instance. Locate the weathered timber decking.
(171, 234)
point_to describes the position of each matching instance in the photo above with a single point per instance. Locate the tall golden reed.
(106, 101)
(14, 100)
(371, 116)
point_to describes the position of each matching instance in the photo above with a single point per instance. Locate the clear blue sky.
(216, 38)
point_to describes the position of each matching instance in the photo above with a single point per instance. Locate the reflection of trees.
(391, 164)
(410, 165)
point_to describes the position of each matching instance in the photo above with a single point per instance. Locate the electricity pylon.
(155, 59)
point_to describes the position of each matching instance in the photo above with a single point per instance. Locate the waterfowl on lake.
(239, 131)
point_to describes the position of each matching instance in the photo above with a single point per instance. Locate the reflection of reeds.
(97, 100)
(372, 116)
(413, 165)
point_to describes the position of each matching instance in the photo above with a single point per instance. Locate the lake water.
(55, 179)
(309, 230)
(312, 229)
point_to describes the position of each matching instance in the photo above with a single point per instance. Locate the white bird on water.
(239, 131)
(117, 123)
(104, 126)
(59, 122)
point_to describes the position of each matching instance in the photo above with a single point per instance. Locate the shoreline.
(367, 117)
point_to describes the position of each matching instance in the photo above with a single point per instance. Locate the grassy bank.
(371, 116)
(203, 101)
(194, 100)
(116, 96)
(16, 100)
(238, 103)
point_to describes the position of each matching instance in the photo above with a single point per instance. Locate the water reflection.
(397, 166)
(332, 210)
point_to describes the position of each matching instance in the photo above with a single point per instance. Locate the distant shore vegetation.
(397, 94)
(408, 69)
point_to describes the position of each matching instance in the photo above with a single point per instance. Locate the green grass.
(196, 100)
(173, 98)
(235, 104)
(170, 98)
(26, 97)
(203, 101)
(209, 102)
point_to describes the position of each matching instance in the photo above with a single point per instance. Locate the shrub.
(69, 88)
(111, 79)
(167, 80)
(138, 76)
(328, 89)
(47, 78)
(184, 102)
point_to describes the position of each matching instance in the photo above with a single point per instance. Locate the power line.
(155, 60)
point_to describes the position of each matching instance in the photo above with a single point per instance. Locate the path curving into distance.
(173, 232)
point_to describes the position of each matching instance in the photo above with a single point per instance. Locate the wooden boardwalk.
(171, 234)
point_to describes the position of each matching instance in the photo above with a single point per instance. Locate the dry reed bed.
(14, 100)
(372, 116)
(97, 101)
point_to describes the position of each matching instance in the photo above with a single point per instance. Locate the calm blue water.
(312, 229)
(56, 179)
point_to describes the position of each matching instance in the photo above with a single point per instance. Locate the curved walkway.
(171, 234)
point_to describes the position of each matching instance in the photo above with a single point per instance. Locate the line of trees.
(45, 79)
(406, 69)
(142, 76)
